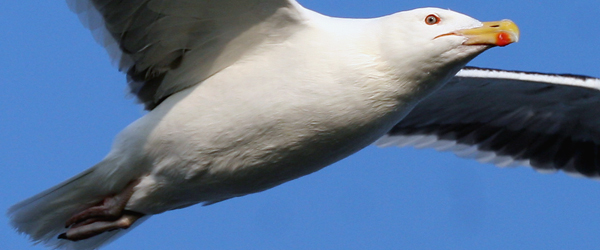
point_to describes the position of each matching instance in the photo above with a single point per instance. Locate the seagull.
(246, 95)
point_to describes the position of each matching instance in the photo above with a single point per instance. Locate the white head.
(436, 43)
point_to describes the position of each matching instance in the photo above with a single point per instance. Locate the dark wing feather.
(549, 122)
(165, 46)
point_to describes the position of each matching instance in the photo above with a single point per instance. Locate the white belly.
(240, 132)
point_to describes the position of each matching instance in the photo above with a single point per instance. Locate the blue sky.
(62, 103)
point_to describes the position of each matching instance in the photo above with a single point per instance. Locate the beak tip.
(504, 38)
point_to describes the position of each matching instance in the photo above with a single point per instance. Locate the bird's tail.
(44, 215)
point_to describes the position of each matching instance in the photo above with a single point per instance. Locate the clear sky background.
(62, 103)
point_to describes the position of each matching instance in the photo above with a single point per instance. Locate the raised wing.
(168, 45)
(549, 122)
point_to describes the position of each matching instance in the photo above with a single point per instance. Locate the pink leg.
(86, 231)
(107, 216)
(111, 208)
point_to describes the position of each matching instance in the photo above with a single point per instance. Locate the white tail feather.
(43, 216)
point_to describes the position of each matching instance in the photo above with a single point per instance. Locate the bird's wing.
(548, 122)
(165, 46)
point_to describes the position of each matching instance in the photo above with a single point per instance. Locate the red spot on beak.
(503, 39)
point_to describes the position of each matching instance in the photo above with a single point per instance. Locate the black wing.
(168, 45)
(549, 122)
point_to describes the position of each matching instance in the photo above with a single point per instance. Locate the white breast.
(244, 130)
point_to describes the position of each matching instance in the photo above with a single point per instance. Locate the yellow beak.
(500, 33)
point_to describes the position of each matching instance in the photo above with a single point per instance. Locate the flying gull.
(318, 89)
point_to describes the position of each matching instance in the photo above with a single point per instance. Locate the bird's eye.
(432, 19)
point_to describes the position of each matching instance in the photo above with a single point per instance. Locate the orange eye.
(432, 19)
